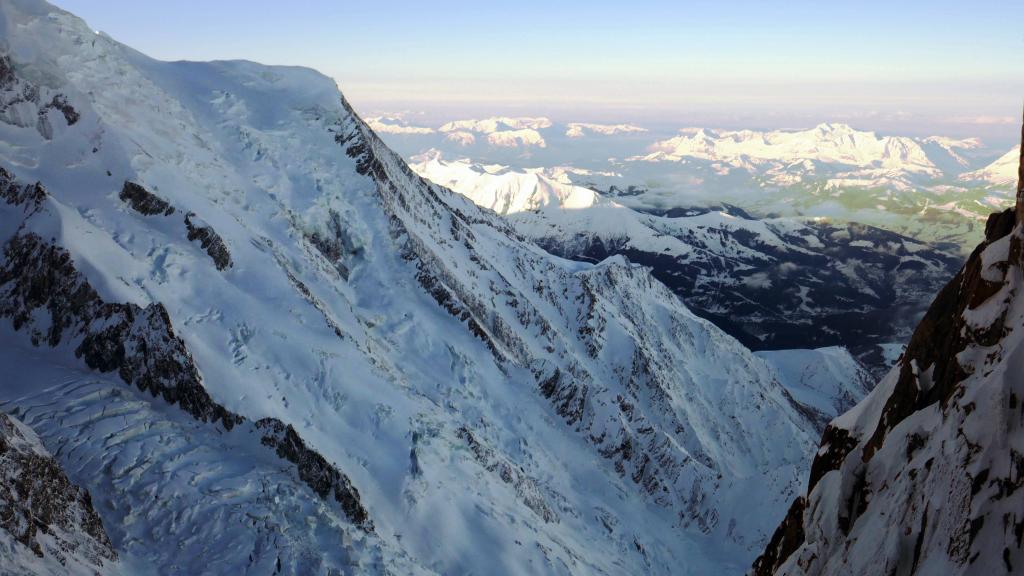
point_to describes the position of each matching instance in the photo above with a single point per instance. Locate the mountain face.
(47, 524)
(924, 475)
(263, 344)
(774, 283)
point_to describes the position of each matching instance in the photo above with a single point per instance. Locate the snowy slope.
(1002, 172)
(924, 475)
(829, 380)
(773, 283)
(413, 379)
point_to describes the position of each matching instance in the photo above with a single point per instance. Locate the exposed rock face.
(138, 343)
(336, 244)
(209, 240)
(924, 476)
(47, 524)
(314, 469)
(149, 204)
(145, 202)
(17, 194)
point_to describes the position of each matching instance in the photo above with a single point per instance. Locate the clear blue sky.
(960, 61)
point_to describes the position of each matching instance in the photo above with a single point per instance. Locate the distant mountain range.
(935, 189)
(772, 283)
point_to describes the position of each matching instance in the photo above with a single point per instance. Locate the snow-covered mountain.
(772, 283)
(825, 143)
(1002, 172)
(263, 344)
(924, 476)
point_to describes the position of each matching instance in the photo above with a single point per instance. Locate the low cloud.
(497, 124)
(758, 281)
(461, 138)
(394, 125)
(580, 129)
(985, 120)
(516, 138)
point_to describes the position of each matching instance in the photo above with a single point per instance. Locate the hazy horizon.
(918, 69)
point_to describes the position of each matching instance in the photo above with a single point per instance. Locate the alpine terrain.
(772, 283)
(924, 476)
(241, 336)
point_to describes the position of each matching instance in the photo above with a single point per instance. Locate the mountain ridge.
(923, 475)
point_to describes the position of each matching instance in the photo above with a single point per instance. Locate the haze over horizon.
(936, 67)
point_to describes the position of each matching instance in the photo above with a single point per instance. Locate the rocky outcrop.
(335, 243)
(26, 104)
(924, 476)
(143, 201)
(525, 487)
(48, 523)
(322, 477)
(149, 204)
(209, 240)
(29, 196)
(43, 293)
